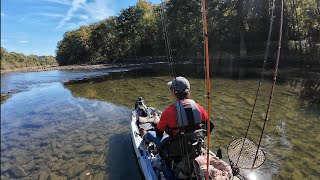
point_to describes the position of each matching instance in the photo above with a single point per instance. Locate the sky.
(36, 26)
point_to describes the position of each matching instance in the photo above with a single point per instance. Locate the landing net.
(246, 156)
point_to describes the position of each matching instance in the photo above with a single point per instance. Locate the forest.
(12, 60)
(236, 29)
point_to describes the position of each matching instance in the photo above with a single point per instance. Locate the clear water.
(46, 131)
(80, 130)
(21, 81)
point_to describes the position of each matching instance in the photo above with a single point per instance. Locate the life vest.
(188, 114)
(188, 120)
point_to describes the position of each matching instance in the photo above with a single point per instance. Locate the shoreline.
(224, 64)
(7, 95)
(57, 67)
(76, 67)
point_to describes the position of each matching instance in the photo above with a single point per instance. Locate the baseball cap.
(180, 84)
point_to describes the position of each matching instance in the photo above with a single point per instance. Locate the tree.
(239, 28)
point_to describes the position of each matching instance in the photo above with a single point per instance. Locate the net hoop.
(246, 158)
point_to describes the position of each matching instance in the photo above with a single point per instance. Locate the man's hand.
(156, 119)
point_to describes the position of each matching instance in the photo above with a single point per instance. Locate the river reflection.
(80, 129)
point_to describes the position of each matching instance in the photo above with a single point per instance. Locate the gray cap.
(180, 84)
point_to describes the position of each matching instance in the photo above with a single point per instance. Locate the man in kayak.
(183, 116)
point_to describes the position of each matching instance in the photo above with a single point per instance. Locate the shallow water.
(81, 130)
(291, 141)
(14, 82)
(48, 132)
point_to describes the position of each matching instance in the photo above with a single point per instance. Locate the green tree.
(12, 60)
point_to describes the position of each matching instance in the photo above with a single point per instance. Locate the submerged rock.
(43, 175)
(4, 159)
(100, 149)
(86, 149)
(54, 159)
(55, 148)
(65, 156)
(55, 166)
(78, 169)
(53, 176)
(29, 166)
(3, 177)
(17, 171)
(5, 167)
(91, 137)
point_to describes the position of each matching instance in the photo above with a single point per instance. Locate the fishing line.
(182, 145)
(273, 84)
(167, 42)
(204, 52)
(261, 76)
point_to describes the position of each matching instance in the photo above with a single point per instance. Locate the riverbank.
(57, 67)
(12, 83)
(76, 67)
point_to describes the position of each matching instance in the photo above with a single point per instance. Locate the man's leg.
(151, 136)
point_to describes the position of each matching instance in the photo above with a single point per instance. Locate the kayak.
(152, 163)
(143, 157)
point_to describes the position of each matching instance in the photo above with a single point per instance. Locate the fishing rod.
(166, 39)
(183, 145)
(205, 35)
(261, 78)
(273, 84)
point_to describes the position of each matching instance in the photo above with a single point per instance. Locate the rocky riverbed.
(61, 137)
(69, 152)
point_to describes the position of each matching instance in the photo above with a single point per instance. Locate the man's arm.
(211, 125)
(162, 124)
(203, 113)
(204, 118)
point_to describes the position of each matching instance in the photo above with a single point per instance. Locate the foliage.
(12, 60)
(239, 28)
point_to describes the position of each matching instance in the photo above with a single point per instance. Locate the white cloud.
(98, 10)
(84, 17)
(63, 2)
(23, 41)
(75, 6)
(53, 15)
(82, 12)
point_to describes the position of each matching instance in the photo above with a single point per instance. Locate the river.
(59, 127)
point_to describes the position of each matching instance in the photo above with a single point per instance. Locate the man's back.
(169, 118)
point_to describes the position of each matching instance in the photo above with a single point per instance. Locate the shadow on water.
(121, 162)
